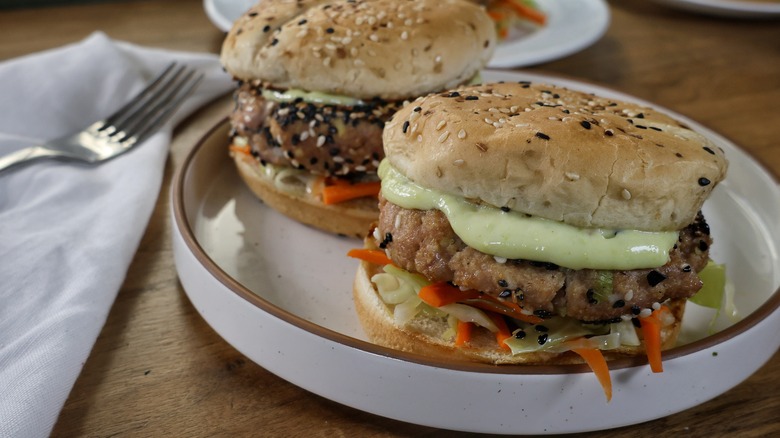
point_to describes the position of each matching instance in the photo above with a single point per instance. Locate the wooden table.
(158, 369)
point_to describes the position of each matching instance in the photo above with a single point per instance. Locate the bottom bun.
(424, 334)
(351, 218)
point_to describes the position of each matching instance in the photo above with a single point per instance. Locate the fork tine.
(166, 111)
(138, 118)
(160, 109)
(131, 106)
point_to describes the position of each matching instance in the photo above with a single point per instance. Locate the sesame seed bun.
(351, 218)
(558, 154)
(424, 334)
(364, 49)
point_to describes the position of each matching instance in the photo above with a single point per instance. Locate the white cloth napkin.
(68, 232)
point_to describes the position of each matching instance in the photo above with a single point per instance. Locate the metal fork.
(119, 132)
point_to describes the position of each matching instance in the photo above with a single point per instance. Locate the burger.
(317, 80)
(526, 223)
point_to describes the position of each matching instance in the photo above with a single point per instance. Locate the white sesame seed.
(414, 116)
(498, 259)
(462, 134)
(656, 305)
(330, 46)
(326, 62)
(320, 141)
(497, 124)
(572, 176)
(644, 313)
(359, 20)
(346, 40)
(360, 168)
(390, 25)
(444, 136)
(373, 37)
(505, 110)
(338, 159)
(302, 33)
(372, 20)
(371, 53)
(404, 35)
(397, 221)
(437, 59)
(419, 138)
(377, 235)
(625, 194)
(359, 63)
(304, 135)
(629, 295)
(441, 125)
(353, 51)
(414, 128)
(459, 162)
(489, 121)
(408, 22)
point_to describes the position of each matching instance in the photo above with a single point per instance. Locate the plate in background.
(728, 8)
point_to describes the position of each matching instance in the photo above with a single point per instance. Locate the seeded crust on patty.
(423, 241)
(326, 140)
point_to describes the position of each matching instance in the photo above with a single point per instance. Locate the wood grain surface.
(158, 369)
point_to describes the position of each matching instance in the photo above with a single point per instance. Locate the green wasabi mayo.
(514, 235)
(310, 96)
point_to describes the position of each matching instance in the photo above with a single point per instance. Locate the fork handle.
(25, 155)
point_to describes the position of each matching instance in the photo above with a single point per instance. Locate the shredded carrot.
(240, 149)
(503, 332)
(495, 15)
(336, 193)
(651, 332)
(374, 256)
(443, 293)
(598, 364)
(463, 333)
(527, 12)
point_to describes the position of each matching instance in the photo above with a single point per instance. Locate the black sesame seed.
(544, 314)
(636, 310)
(506, 293)
(585, 124)
(541, 328)
(266, 28)
(636, 322)
(388, 238)
(609, 133)
(503, 283)
(709, 150)
(686, 268)
(654, 277)
(505, 209)
(472, 98)
(302, 22)
(703, 246)
(590, 296)
(520, 334)
(454, 94)
(252, 14)
(704, 181)
(417, 109)
(542, 135)
(274, 42)
(618, 304)
(542, 339)
(405, 127)
(329, 30)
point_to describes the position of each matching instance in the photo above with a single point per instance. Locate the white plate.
(280, 293)
(572, 26)
(728, 8)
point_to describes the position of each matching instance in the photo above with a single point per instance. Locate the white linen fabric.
(69, 231)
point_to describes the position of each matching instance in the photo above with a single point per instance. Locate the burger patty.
(326, 140)
(423, 241)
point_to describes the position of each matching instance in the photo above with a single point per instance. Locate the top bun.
(365, 48)
(556, 153)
